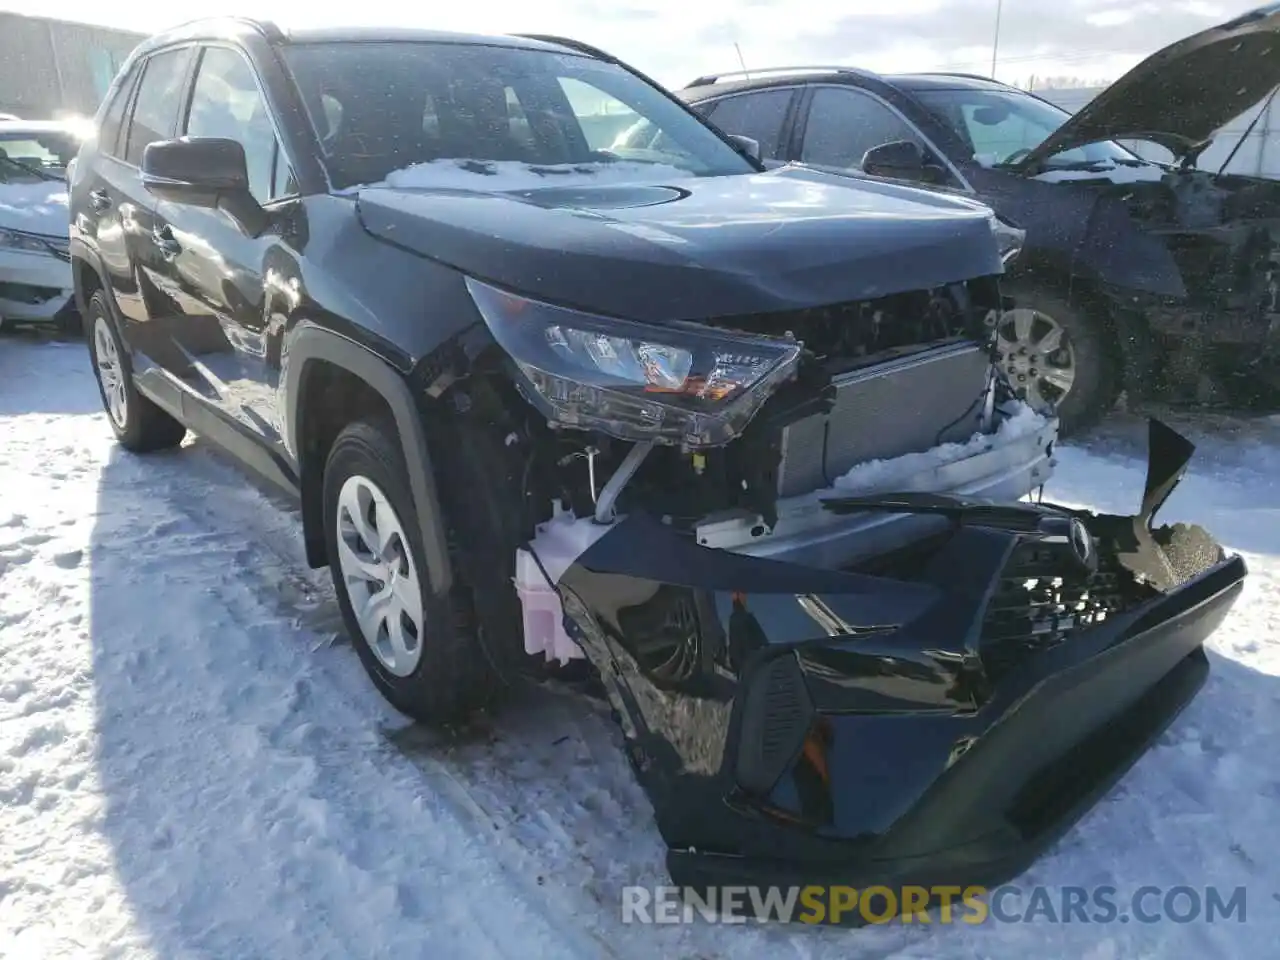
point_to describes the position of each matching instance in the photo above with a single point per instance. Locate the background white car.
(35, 271)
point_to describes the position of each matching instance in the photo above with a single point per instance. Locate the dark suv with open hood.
(548, 400)
(1135, 274)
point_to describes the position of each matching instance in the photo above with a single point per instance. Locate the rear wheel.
(1056, 354)
(139, 424)
(422, 652)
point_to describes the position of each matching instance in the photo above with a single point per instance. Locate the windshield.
(382, 107)
(28, 156)
(1003, 126)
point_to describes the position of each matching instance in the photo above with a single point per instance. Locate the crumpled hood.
(681, 248)
(1180, 96)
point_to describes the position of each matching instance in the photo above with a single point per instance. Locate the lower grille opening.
(1042, 599)
(27, 293)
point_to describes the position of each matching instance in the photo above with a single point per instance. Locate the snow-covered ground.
(192, 767)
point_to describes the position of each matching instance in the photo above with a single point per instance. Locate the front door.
(218, 272)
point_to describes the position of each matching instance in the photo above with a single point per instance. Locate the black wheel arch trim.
(84, 256)
(308, 344)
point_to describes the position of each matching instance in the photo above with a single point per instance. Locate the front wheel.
(422, 652)
(1056, 356)
(139, 425)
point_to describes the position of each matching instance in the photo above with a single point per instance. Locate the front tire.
(1057, 353)
(139, 425)
(423, 653)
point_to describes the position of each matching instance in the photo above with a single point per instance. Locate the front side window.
(755, 115)
(381, 107)
(155, 109)
(226, 103)
(844, 124)
(1001, 127)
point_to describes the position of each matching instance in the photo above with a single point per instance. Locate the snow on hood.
(35, 208)
(511, 175)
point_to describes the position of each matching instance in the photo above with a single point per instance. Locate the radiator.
(904, 405)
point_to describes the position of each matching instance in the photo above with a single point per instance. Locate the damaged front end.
(820, 682)
(935, 715)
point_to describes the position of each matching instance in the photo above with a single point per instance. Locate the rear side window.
(755, 115)
(113, 119)
(155, 110)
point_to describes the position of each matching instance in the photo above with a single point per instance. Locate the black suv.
(550, 401)
(1135, 273)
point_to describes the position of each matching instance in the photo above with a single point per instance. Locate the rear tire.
(1086, 351)
(139, 425)
(422, 652)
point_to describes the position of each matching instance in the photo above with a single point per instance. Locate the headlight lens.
(676, 384)
(27, 243)
(1009, 239)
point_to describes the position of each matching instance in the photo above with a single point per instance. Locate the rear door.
(126, 225)
(217, 272)
(762, 115)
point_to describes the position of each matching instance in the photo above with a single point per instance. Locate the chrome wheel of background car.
(380, 576)
(1036, 353)
(110, 373)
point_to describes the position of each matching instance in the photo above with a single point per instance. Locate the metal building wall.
(51, 68)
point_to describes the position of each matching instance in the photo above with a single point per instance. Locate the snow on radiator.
(562, 539)
(902, 473)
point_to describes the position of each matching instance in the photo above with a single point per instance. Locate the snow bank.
(35, 207)
(514, 175)
(876, 476)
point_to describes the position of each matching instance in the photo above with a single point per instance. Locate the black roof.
(233, 27)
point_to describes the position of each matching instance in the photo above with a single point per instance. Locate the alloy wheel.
(1036, 352)
(110, 373)
(380, 576)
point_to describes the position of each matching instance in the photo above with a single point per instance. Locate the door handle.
(100, 200)
(165, 241)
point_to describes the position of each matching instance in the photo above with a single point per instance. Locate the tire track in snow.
(200, 486)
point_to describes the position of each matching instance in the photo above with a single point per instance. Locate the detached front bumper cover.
(937, 717)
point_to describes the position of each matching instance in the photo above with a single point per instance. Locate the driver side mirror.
(900, 160)
(208, 172)
(747, 145)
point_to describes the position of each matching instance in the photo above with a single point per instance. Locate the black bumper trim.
(987, 863)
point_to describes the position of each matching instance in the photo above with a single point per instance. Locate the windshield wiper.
(34, 171)
(1093, 166)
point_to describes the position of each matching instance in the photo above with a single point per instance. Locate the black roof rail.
(566, 42)
(710, 78)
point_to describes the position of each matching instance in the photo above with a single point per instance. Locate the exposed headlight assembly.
(677, 384)
(1008, 238)
(24, 242)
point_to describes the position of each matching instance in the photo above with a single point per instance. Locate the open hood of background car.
(1180, 96)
